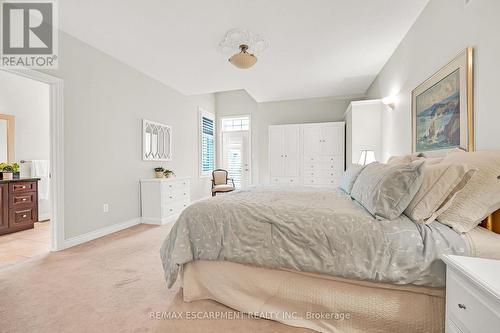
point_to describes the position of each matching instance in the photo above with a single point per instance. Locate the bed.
(315, 258)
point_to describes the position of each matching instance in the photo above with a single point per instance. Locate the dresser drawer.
(176, 195)
(175, 208)
(468, 307)
(21, 217)
(16, 187)
(22, 199)
(175, 185)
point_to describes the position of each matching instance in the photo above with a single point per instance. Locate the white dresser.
(472, 295)
(163, 199)
(307, 154)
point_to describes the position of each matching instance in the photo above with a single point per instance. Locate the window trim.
(202, 113)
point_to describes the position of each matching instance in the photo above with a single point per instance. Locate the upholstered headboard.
(493, 222)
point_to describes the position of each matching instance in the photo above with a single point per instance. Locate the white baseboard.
(77, 240)
(157, 221)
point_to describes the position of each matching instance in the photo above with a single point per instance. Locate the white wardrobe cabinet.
(284, 149)
(308, 154)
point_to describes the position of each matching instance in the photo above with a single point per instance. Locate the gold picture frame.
(443, 108)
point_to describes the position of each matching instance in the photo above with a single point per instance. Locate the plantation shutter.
(208, 146)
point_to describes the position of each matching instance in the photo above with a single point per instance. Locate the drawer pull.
(24, 215)
(462, 306)
(171, 209)
(170, 196)
(291, 180)
(23, 186)
(24, 199)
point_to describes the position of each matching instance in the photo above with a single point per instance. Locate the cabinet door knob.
(24, 215)
(462, 306)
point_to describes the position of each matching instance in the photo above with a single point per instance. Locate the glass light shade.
(243, 59)
(367, 157)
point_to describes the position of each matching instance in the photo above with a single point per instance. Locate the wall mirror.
(7, 126)
(157, 141)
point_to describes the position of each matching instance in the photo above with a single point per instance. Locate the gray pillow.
(387, 190)
(349, 177)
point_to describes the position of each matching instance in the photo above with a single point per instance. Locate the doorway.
(48, 229)
(236, 149)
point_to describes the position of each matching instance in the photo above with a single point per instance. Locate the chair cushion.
(223, 188)
(220, 177)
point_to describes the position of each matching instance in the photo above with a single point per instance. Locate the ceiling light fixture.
(247, 43)
(243, 59)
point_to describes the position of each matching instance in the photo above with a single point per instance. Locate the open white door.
(236, 157)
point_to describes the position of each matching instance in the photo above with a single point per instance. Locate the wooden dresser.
(18, 204)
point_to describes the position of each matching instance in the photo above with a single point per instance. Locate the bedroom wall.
(104, 104)
(444, 29)
(28, 101)
(273, 113)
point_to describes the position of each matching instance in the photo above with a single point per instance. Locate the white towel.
(40, 169)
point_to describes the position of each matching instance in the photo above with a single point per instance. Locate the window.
(235, 124)
(207, 144)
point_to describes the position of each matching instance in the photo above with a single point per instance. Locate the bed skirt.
(318, 302)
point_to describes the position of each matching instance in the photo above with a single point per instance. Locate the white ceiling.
(317, 47)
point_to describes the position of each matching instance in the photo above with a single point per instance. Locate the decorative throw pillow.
(349, 177)
(386, 190)
(481, 196)
(441, 183)
(404, 159)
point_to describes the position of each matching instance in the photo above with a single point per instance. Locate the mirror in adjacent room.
(6, 138)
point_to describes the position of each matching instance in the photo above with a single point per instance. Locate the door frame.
(220, 147)
(56, 150)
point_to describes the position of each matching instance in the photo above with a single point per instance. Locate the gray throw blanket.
(311, 230)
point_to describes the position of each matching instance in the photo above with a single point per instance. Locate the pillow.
(386, 190)
(404, 159)
(481, 196)
(349, 177)
(441, 183)
(433, 160)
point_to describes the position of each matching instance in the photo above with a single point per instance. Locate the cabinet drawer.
(468, 307)
(22, 199)
(175, 208)
(176, 185)
(20, 217)
(171, 196)
(17, 187)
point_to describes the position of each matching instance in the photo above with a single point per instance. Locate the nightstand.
(472, 295)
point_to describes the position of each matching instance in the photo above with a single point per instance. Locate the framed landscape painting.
(442, 109)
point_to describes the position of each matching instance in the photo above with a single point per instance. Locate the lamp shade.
(367, 157)
(243, 59)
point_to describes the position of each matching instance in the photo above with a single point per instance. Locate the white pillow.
(349, 177)
(481, 196)
(442, 182)
(404, 159)
(386, 190)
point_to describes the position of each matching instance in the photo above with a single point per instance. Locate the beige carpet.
(112, 284)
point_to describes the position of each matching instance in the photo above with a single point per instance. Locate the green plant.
(9, 167)
(160, 169)
(168, 173)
